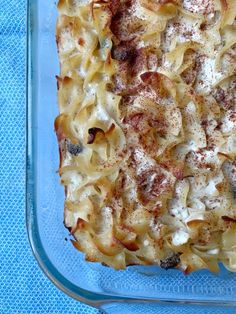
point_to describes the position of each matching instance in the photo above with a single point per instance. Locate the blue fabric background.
(23, 287)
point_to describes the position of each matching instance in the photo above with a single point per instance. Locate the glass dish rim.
(91, 298)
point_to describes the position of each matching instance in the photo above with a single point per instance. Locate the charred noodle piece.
(170, 262)
(74, 149)
(147, 131)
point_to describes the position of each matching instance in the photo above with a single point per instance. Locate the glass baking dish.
(93, 284)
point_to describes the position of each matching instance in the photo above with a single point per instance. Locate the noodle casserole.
(147, 131)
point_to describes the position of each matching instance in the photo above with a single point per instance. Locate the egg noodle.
(147, 131)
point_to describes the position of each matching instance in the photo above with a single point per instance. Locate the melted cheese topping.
(147, 130)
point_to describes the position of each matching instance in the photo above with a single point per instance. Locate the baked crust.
(147, 131)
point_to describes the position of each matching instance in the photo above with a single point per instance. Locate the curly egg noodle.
(147, 131)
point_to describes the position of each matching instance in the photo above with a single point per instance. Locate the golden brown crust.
(147, 131)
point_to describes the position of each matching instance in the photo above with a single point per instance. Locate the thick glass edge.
(31, 220)
(88, 297)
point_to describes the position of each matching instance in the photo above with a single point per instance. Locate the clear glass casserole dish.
(93, 284)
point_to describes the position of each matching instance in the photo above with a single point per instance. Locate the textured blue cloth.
(23, 287)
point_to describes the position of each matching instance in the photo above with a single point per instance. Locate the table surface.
(23, 286)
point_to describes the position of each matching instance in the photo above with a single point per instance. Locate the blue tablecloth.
(23, 287)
